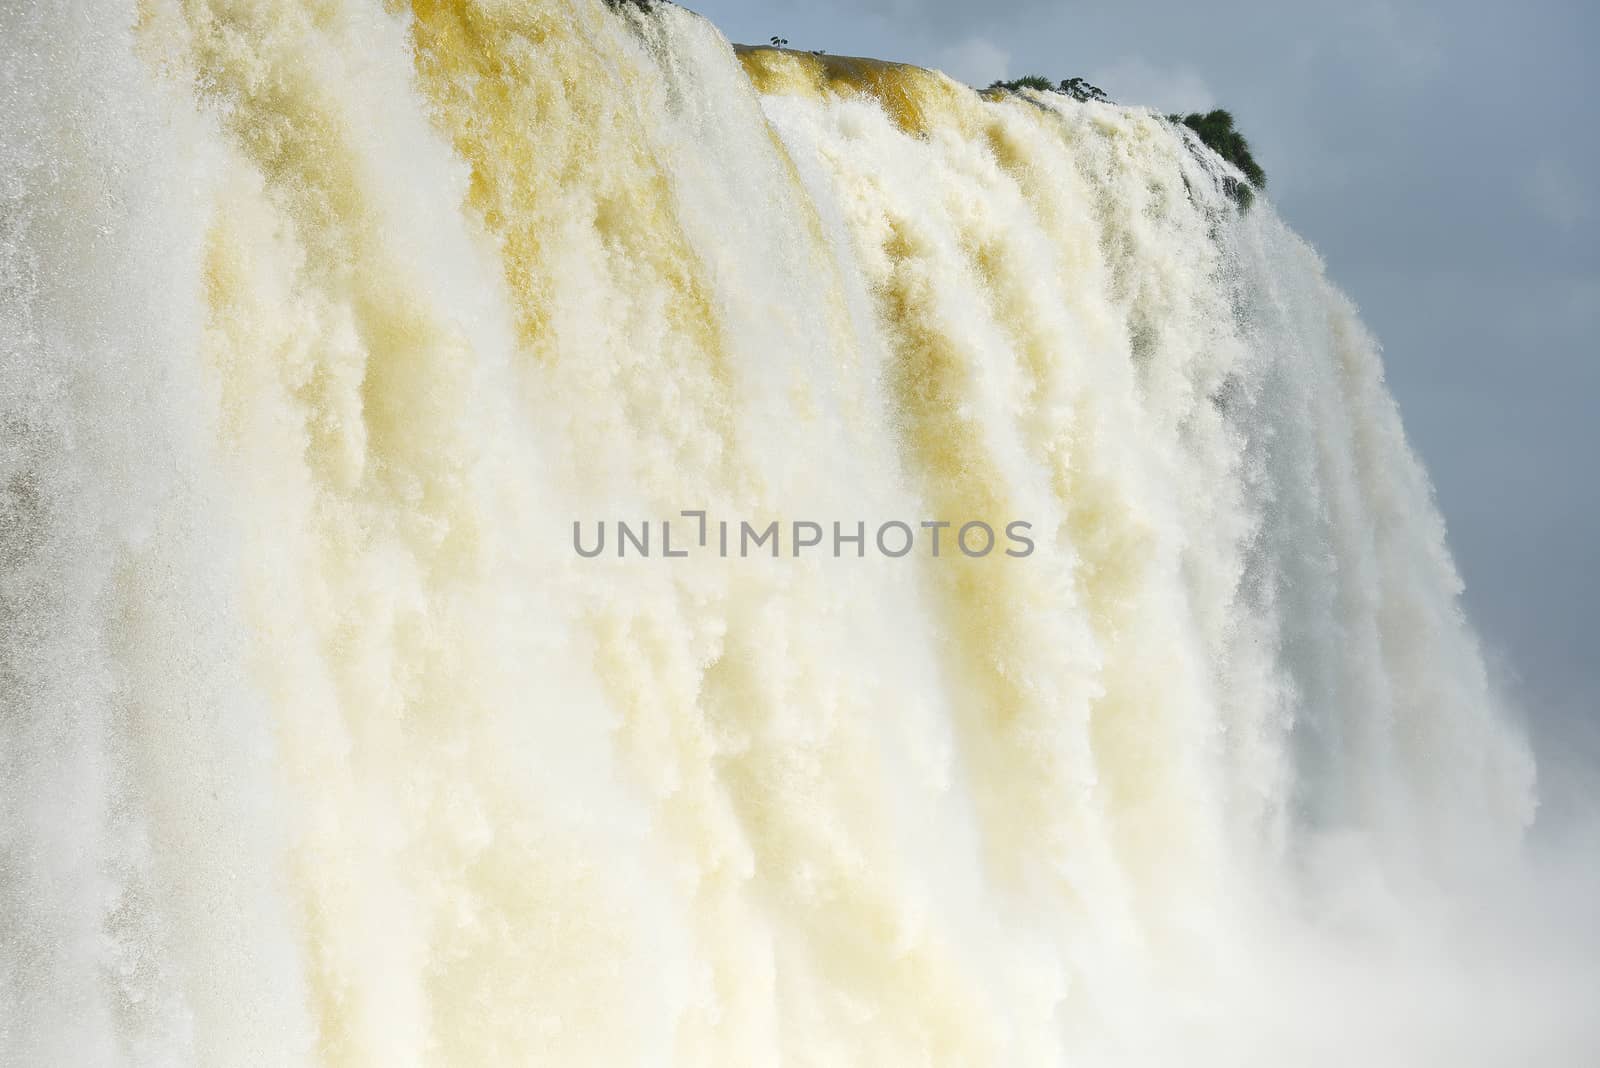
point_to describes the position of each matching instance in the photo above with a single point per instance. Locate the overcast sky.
(1442, 156)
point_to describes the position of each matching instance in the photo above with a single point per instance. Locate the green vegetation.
(1077, 88)
(1027, 81)
(1081, 90)
(1216, 130)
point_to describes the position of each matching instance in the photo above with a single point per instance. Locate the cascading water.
(325, 321)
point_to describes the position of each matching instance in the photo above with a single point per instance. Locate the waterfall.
(332, 328)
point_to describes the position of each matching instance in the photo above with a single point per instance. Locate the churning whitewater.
(323, 323)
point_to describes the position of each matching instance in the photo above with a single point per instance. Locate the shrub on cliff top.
(1077, 88)
(1216, 130)
(1027, 81)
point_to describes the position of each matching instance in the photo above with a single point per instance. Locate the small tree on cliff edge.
(1077, 88)
(1216, 130)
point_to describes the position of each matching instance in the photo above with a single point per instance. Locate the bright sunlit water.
(322, 323)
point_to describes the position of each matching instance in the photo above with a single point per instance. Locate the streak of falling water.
(322, 324)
